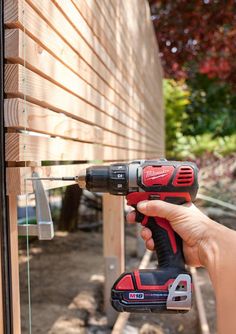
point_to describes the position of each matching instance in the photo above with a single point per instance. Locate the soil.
(67, 289)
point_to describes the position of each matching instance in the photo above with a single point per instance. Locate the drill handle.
(168, 244)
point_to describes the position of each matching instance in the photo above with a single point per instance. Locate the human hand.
(188, 221)
(205, 243)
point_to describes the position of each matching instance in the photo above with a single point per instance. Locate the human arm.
(205, 243)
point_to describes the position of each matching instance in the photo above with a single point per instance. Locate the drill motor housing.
(158, 176)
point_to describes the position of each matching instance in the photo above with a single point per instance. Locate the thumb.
(157, 208)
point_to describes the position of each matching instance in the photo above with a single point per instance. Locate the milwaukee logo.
(157, 175)
(152, 175)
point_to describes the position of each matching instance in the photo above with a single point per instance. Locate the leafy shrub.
(200, 118)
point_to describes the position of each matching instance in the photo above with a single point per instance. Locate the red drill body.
(169, 287)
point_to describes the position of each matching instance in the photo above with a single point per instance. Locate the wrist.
(209, 246)
(216, 248)
(219, 253)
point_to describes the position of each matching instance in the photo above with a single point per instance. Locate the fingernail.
(142, 205)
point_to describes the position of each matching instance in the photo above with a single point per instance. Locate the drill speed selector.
(112, 179)
(118, 179)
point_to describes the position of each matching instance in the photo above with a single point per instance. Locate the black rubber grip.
(168, 244)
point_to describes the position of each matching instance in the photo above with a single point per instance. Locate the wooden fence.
(82, 83)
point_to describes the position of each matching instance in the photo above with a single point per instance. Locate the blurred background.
(197, 41)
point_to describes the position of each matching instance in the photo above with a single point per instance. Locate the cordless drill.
(169, 287)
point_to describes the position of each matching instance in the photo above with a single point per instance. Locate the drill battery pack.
(153, 291)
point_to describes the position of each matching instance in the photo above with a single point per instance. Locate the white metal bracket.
(44, 227)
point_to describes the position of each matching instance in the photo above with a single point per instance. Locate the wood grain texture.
(15, 284)
(131, 23)
(149, 65)
(23, 147)
(49, 27)
(42, 62)
(97, 22)
(147, 62)
(17, 183)
(113, 237)
(125, 65)
(1, 292)
(113, 247)
(204, 327)
(31, 117)
(84, 46)
(20, 81)
(19, 114)
(45, 35)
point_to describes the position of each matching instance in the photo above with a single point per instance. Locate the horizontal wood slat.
(56, 37)
(87, 42)
(128, 21)
(42, 62)
(23, 147)
(84, 77)
(21, 82)
(18, 184)
(23, 115)
(60, 24)
(123, 63)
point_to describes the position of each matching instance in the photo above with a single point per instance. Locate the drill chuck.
(111, 179)
(81, 179)
(97, 179)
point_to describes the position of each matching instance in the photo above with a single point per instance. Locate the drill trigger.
(139, 217)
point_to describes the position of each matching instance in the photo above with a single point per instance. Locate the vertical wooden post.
(1, 292)
(140, 243)
(12, 201)
(113, 246)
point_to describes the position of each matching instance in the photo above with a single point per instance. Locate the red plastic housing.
(134, 198)
(184, 177)
(157, 175)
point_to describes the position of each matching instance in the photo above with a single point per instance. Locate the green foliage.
(212, 108)
(200, 118)
(196, 146)
(176, 100)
